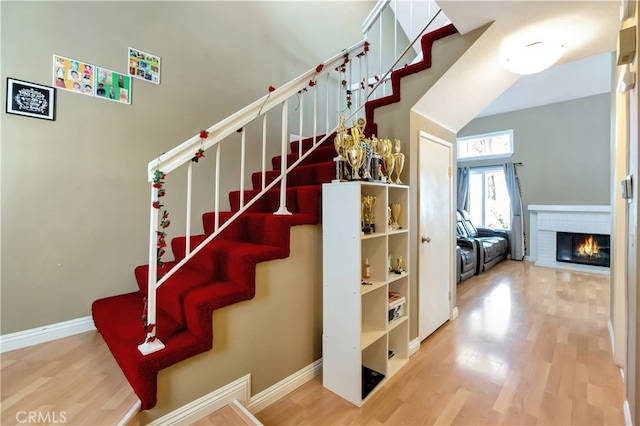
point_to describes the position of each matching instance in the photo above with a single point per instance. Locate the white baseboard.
(47, 333)
(241, 389)
(627, 413)
(242, 411)
(454, 313)
(272, 394)
(192, 412)
(131, 417)
(414, 346)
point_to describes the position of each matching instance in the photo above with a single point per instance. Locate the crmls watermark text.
(35, 417)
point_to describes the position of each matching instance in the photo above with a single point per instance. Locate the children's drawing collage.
(93, 80)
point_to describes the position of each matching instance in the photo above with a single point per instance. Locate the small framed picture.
(30, 99)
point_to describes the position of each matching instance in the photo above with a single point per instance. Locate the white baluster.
(242, 161)
(282, 210)
(264, 151)
(187, 248)
(216, 208)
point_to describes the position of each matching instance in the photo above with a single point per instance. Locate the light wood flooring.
(72, 381)
(530, 347)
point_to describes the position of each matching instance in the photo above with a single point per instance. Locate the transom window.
(485, 146)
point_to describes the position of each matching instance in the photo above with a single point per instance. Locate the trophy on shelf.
(358, 129)
(339, 142)
(399, 162)
(355, 154)
(399, 266)
(368, 203)
(388, 159)
(376, 159)
(395, 216)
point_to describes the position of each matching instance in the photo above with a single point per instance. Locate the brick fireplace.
(546, 221)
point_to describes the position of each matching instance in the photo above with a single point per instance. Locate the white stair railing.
(331, 82)
(410, 19)
(322, 84)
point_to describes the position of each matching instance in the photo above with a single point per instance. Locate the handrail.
(374, 15)
(406, 49)
(237, 122)
(183, 154)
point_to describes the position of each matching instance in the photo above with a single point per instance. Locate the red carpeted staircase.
(221, 274)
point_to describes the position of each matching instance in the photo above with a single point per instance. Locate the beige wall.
(272, 336)
(565, 149)
(75, 200)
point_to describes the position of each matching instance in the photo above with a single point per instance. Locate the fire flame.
(589, 248)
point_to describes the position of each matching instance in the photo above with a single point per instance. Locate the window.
(489, 203)
(487, 145)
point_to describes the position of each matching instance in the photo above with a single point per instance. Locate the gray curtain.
(516, 235)
(463, 188)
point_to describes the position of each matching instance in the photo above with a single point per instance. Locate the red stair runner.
(221, 274)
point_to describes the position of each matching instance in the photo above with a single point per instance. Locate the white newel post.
(152, 343)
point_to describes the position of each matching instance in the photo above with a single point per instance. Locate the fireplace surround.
(546, 221)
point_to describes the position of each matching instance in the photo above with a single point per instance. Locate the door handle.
(425, 239)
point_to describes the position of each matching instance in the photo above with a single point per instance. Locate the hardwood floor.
(72, 381)
(530, 347)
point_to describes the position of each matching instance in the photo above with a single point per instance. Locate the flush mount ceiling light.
(532, 58)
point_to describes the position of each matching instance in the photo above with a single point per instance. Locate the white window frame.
(481, 136)
(483, 170)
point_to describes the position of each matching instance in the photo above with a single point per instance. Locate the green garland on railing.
(161, 234)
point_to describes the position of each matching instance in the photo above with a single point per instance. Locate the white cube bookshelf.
(356, 330)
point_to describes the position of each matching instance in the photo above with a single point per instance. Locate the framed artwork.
(73, 75)
(144, 66)
(113, 85)
(30, 99)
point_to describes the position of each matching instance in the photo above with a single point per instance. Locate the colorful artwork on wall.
(113, 85)
(144, 66)
(73, 75)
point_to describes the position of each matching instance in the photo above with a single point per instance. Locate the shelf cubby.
(357, 334)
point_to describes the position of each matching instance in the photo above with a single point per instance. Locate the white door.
(435, 238)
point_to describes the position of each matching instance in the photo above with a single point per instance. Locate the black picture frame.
(30, 99)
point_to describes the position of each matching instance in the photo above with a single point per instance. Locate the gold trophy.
(368, 203)
(339, 143)
(395, 216)
(355, 154)
(376, 160)
(399, 162)
(388, 159)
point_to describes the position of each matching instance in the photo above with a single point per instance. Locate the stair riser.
(303, 175)
(320, 155)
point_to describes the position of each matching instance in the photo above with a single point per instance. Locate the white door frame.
(453, 309)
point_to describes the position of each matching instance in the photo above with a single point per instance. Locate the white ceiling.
(585, 77)
(588, 29)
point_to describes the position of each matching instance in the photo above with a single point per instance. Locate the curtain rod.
(493, 165)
